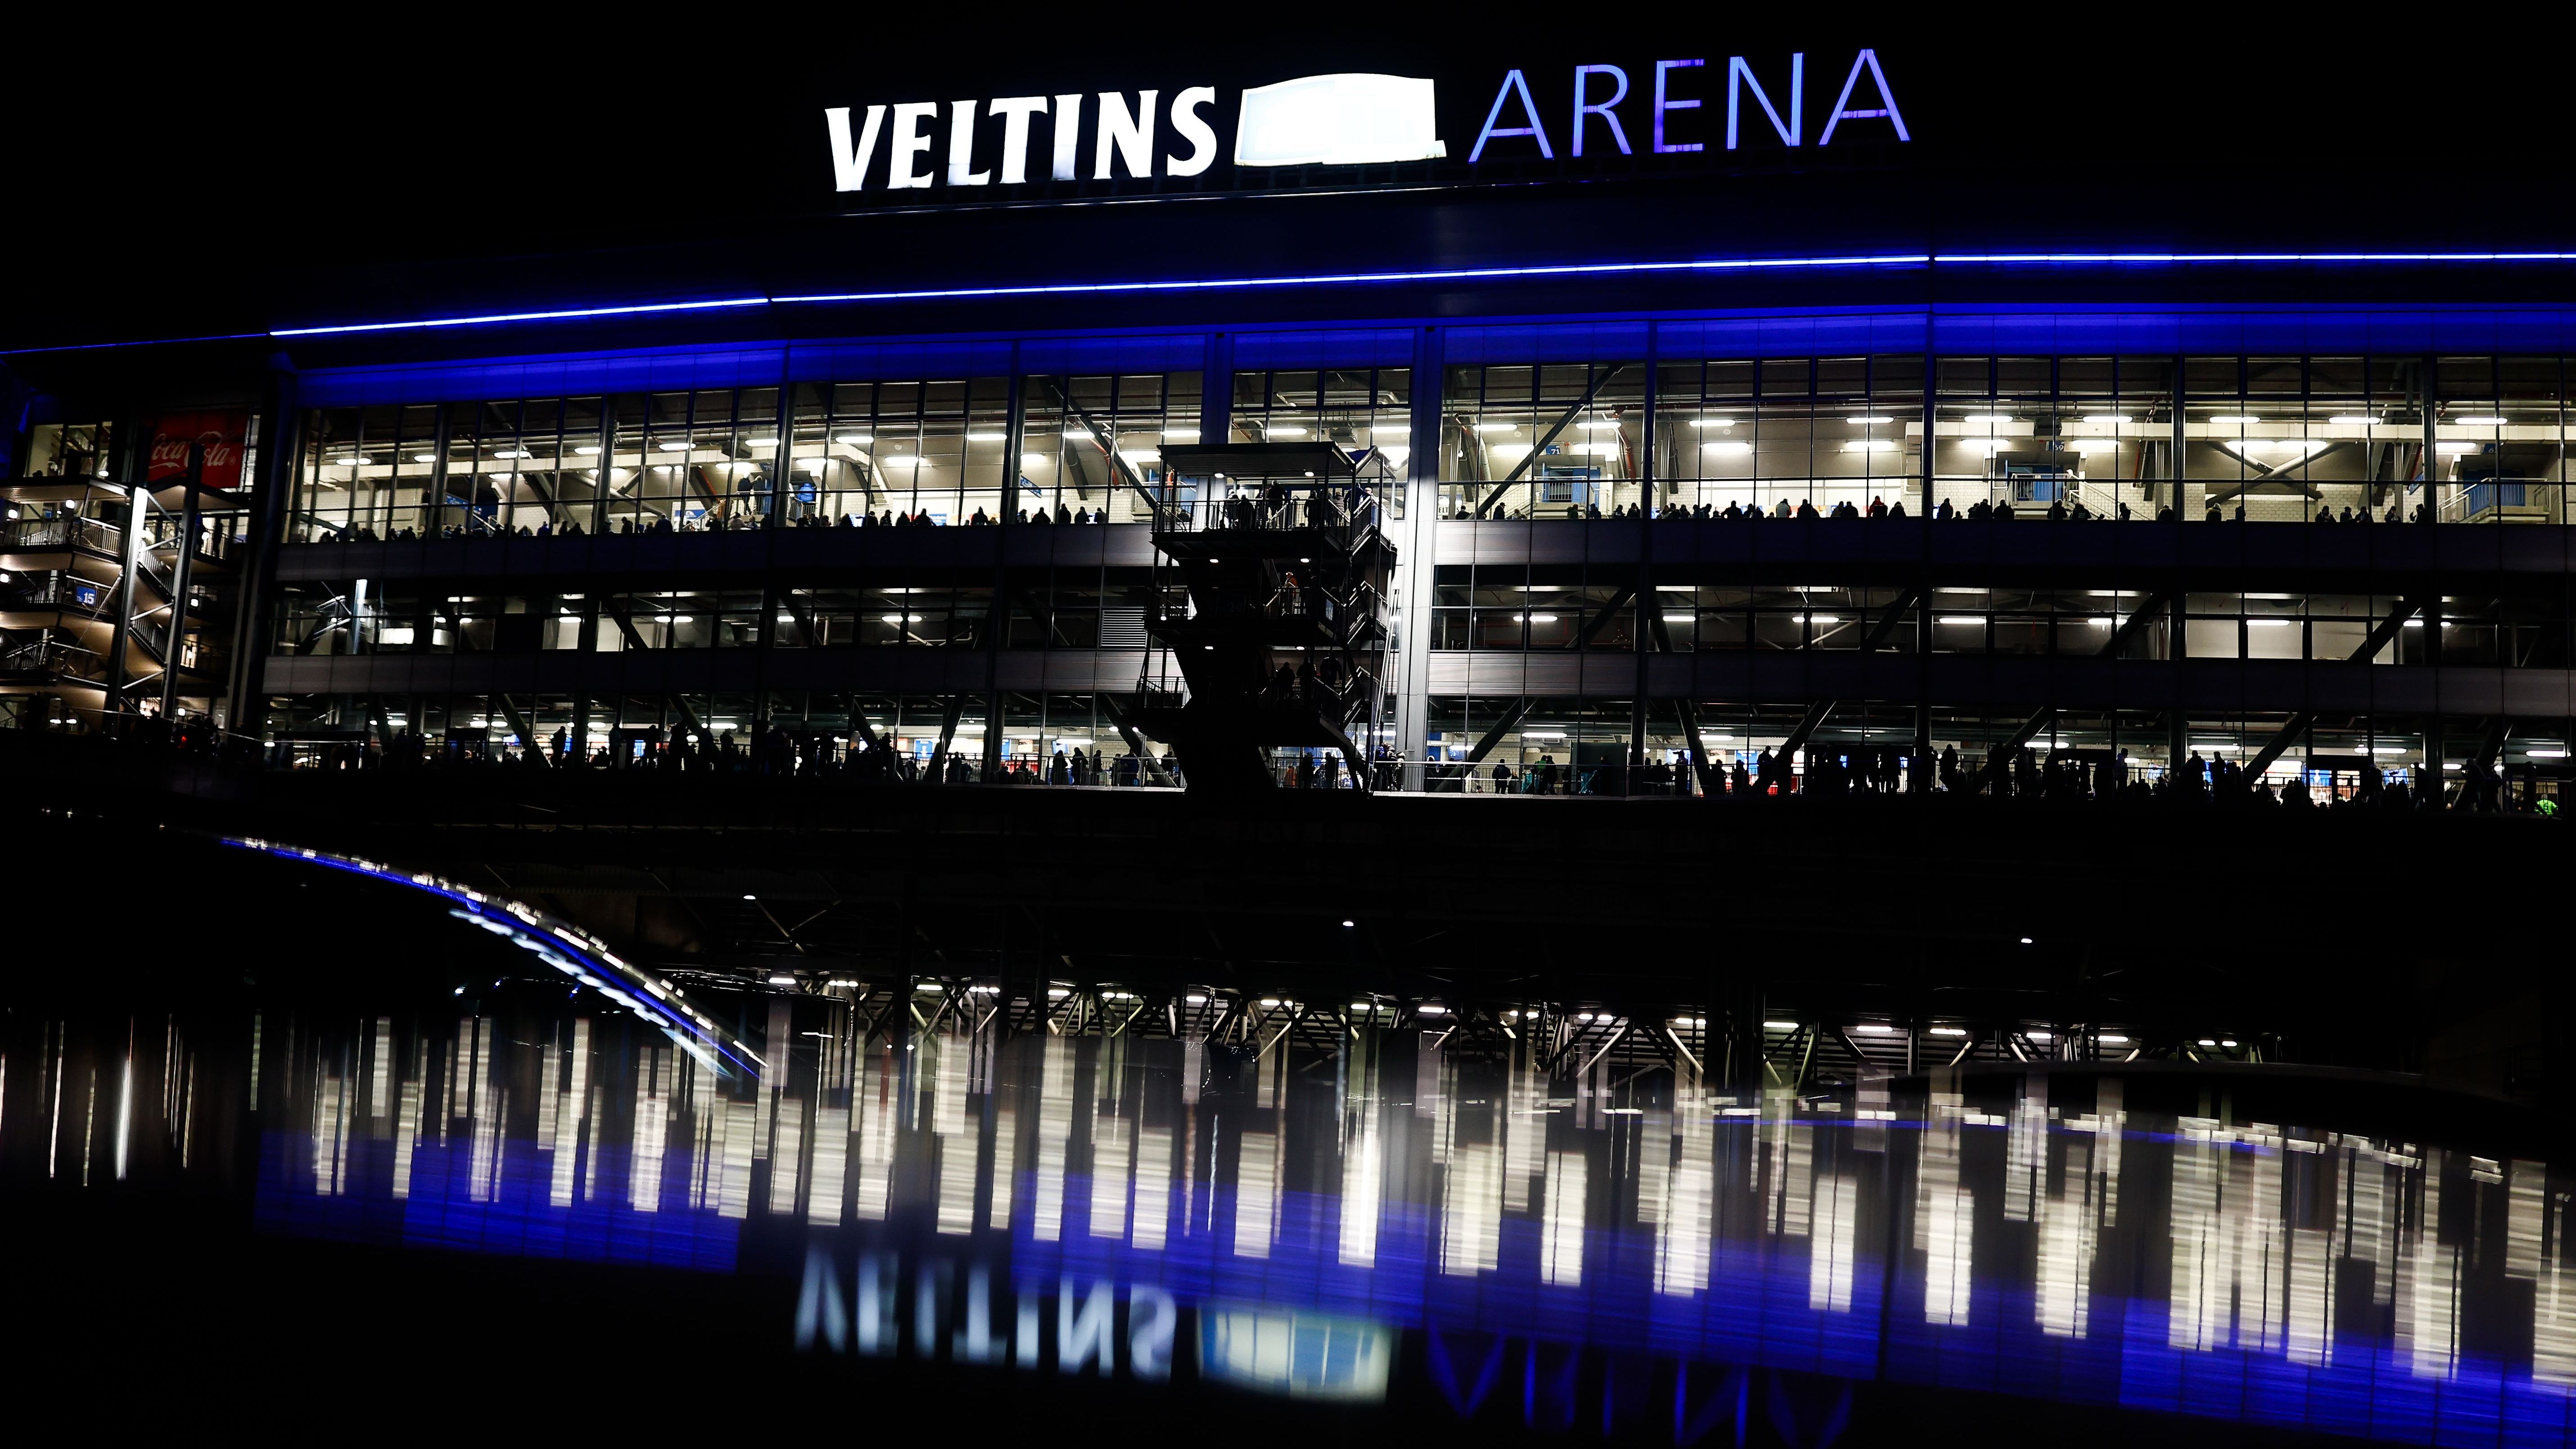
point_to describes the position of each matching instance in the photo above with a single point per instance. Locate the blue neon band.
(1454, 274)
(562, 315)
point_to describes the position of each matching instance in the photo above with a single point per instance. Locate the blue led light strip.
(1451, 274)
(565, 314)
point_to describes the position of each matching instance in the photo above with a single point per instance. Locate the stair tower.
(1283, 642)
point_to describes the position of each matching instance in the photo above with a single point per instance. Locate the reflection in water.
(1302, 1194)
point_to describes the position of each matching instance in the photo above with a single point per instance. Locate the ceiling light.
(1949, 1031)
(1780, 1025)
(424, 457)
(2455, 450)
(855, 440)
(1868, 420)
(987, 437)
(2546, 754)
(1598, 425)
(1180, 435)
(2234, 419)
(1824, 618)
(2353, 420)
(1962, 619)
(1283, 430)
(673, 445)
(1989, 420)
(587, 450)
(2487, 420)
(1726, 448)
(2109, 1039)
(760, 442)
(1712, 422)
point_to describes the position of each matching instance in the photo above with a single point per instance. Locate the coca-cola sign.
(221, 435)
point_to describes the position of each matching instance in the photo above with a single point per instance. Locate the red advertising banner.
(221, 434)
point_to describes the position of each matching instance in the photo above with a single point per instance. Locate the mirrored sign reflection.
(1315, 1208)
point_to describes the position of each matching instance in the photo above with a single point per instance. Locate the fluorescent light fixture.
(855, 440)
(985, 437)
(1347, 119)
(2353, 420)
(1283, 430)
(1986, 446)
(514, 453)
(2546, 754)
(1873, 1028)
(779, 980)
(2454, 450)
(2112, 1039)
(1598, 425)
(2041, 1035)
(1871, 420)
(2107, 420)
(760, 442)
(587, 450)
(1870, 445)
(1430, 1009)
(1180, 435)
(1824, 618)
(1949, 1031)
(673, 445)
(2485, 420)
(1498, 427)
(1535, 619)
(2099, 622)
(1780, 1025)
(424, 457)
(1989, 420)
(2234, 419)
(1962, 619)
(1543, 734)
(2269, 623)
(1727, 448)
(1712, 422)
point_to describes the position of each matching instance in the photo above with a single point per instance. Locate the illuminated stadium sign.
(1592, 111)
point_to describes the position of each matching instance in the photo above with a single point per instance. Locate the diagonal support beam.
(1593, 626)
(1492, 737)
(1107, 442)
(1999, 758)
(1885, 629)
(1701, 765)
(1566, 420)
(2380, 635)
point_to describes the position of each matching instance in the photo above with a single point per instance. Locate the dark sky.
(185, 184)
